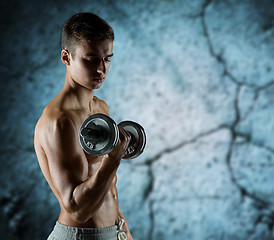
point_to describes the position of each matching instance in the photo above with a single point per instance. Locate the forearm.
(87, 197)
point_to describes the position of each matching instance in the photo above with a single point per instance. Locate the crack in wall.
(218, 57)
(237, 119)
(257, 92)
(146, 194)
(158, 156)
(247, 139)
(266, 217)
(225, 73)
(244, 192)
(149, 190)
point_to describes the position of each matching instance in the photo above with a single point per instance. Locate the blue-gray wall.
(198, 75)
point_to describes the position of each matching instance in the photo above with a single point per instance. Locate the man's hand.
(124, 139)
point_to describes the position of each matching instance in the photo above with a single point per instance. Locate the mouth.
(99, 80)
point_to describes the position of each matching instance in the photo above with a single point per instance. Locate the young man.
(84, 185)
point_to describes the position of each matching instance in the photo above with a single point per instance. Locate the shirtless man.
(84, 185)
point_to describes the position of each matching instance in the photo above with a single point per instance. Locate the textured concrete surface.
(198, 75)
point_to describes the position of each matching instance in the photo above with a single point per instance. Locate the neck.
(78, 97)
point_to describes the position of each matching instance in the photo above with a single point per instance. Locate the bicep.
(66, 162)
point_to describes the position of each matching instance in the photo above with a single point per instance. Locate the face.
(90, 63)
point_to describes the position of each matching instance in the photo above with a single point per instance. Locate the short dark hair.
(84, 26)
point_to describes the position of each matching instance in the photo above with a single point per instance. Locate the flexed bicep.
(67, 164)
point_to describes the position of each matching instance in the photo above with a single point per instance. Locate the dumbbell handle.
(94, 135)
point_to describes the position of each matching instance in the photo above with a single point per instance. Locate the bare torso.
(107, 213)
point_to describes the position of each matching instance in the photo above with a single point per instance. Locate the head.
(87, 43)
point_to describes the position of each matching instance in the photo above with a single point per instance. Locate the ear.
(65, 57)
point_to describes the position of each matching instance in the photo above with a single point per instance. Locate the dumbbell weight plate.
(110, 140)
(138, 139)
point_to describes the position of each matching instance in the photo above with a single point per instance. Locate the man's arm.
(67, 164)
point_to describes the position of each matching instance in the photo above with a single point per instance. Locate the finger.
(125, 134)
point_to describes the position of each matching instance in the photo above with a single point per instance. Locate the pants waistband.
(68, 232)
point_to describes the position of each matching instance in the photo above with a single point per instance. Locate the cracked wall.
(198, 75)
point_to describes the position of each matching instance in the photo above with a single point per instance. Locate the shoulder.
(103, 105)
(53, 122)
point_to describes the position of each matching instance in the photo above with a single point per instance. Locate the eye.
(107, 59)
(94, 60)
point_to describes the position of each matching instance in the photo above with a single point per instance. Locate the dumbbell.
(99, 135)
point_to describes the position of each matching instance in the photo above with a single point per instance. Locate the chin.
(97, 86)
(92, 85)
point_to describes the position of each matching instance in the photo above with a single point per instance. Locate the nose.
(101, 68)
